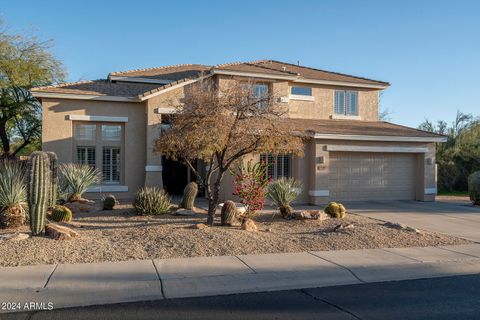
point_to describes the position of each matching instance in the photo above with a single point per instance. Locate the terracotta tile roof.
(173, 73)
(277, 67)
(356, 127)
(99, 87)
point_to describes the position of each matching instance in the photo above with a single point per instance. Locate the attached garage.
(357, 176)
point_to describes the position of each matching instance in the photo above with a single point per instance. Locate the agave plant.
(13, 193)
(76, 178)
(151, 201)
(283, 192)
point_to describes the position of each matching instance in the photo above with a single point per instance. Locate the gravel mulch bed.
(121, 235)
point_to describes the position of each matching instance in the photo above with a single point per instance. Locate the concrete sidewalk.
(67, 285)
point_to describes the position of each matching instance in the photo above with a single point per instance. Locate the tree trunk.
(213, 197)
(4, 138)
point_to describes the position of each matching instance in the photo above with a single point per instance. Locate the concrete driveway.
(460, 219)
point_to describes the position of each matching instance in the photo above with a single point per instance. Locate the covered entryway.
(372, 176)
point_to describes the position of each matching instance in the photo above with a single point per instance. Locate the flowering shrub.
(250, 183)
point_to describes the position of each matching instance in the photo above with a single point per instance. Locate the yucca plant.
(151, 201)
(13, 194)
(77, 178)
(283, 192)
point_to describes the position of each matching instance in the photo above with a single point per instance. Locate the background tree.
(460, 155)
(222, 125)
(25, 62)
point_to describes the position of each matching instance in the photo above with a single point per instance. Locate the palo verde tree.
(25, 62)
(219, 125)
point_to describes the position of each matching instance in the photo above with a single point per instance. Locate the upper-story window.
(301, 91)
(346, 103)
(260, 93)
(85, 131)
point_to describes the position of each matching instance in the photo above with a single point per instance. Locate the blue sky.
(428, 50)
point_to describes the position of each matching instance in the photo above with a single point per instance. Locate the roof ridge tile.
(157, 68)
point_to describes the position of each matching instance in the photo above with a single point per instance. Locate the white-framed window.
(85, 131)
(260, 92)
(111, 165)
(301, 91)
(86, 155)
(111, 132)
(278, 166)
(346, 102)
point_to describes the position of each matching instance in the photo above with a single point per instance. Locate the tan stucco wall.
(57, 134)
(323, 105)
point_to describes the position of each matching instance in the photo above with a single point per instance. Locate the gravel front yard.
(121, 235)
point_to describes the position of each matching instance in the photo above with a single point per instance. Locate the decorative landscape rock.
(399, 226)
(310, 215)
(82, 205)
(343, 226)
(15, 236)
(249, 225)
(200, 226)
(183, 212)
(109, 202)
(58, 232)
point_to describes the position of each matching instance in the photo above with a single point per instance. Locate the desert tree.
(25, 62)
(220, 125)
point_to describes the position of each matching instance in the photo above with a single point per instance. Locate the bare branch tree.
(221, 125)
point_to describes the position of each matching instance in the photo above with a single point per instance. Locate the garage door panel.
(372, 176)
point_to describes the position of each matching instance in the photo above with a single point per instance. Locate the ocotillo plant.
(39, 177)
(189, 195)
(52, 199)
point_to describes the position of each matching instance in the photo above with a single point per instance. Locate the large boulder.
(58, 232)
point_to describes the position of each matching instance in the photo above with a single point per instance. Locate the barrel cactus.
(189, 195)
(474, 187)
(52, 199)
(335, 210)
(61, 214)
(39, 179)
(229, 213)
(109, 202)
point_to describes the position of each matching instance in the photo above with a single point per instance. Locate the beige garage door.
(372, 176)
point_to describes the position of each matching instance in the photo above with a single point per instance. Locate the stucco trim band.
(153, 168)
(301, 97)
(319, 193)
(332, 136)
(430, 191)
(96, 118)
(348, 148)
(165, 110)
(108, 188)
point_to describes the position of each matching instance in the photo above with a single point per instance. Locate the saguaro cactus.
(229, 213)
(52, 199)
(39, 179)
(189, 195)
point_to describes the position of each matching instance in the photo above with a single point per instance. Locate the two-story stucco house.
(350, 155)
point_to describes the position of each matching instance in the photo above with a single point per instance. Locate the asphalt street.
(440, 298)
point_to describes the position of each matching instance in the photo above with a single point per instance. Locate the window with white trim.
(86, 155)
(301, 91)
(111, 165)
(111, 132)
(85, 131)
(278, 166)
(346, 103)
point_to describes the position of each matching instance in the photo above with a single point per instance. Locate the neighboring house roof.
(334, 127)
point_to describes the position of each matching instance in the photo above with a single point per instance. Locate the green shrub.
(335, 210)
(76, 178)
(12, 194)
(474, 187)
(151, 201)
(61, 214)
(283, 192)
(109, 202)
